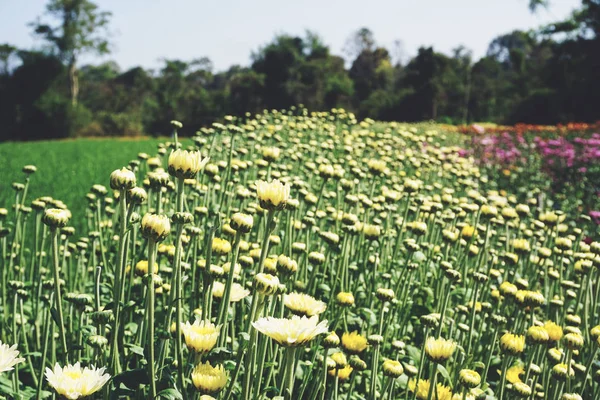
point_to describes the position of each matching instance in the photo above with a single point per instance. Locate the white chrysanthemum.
(304, 304)
(237, 291)
(74, 382)
(291, 332)
(272, 195)
(9, 357)
(186, 164)
(201, 335)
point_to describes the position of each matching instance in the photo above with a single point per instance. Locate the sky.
(143, 32)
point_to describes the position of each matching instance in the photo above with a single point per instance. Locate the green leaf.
(132, 379)
(444, 372)
(170, 394)
(135, 349)
(478, 365)
(414, 353)
(244, 336)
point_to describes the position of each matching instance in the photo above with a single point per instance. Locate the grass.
(67, 168)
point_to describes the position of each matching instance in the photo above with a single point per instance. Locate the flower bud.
(122, 179)
(56, 218)
(97, 341)
(356, 363)
(137, 195)
(331, 340)
(469, 378)
(182, 218)
(241, 223)
(385, 294)
(345, 299)
(285, 265)
(266, 284)
(392, 368)
(155, 227)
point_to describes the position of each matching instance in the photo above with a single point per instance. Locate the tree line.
(542, 76)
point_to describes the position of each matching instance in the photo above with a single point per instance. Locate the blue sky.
(227, 31)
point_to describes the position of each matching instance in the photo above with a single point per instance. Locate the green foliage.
(75, 163)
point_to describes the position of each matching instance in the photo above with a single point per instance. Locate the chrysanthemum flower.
(74, 382)
(555, 331)
(392, 368)
(186, 164)
(342, 373)
(345, 299)
(9, 357)
(439, 350)
(201, 335)
(422, 389)
(513, 374)
(469, 378)
(339, 359)
(237, 291)
(304, 304)
(272, 195)
(522, 389)
(208, 379)
(155, 227)
(537, 334)
(292, 332)
(512, 344)
(354, 343)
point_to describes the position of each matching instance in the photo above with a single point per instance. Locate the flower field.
(296, 255)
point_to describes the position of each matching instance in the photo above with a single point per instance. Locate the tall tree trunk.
(73, 83)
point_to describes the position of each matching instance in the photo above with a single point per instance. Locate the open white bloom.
(9, 357)
(291, 332)
(74, 382)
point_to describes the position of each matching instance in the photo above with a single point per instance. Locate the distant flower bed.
(566, 157)
(562, 129)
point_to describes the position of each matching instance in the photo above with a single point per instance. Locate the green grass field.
(66, 169)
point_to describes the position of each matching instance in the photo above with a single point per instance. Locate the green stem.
(290, 363)
(150, 316)
(57, 294)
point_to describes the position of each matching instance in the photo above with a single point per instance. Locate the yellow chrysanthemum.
(422, 390)
(513, 374)
(512, 344)
(555, 331)
(201, 335)
(439, 350)
(208, 379)
(342, 373)
(354, 343)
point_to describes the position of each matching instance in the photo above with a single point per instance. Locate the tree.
(360, 41)
(6, 52)
(81, 29)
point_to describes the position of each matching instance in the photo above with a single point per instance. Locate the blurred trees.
(544, 76)
(80, 28)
